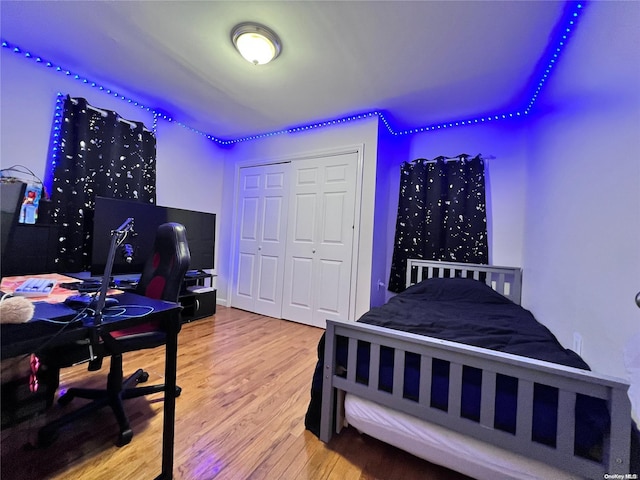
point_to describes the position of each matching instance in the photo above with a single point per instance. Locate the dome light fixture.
(256, 43)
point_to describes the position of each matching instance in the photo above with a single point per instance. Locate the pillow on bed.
(455, 290)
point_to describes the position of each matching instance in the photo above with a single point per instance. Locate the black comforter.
(470, 312)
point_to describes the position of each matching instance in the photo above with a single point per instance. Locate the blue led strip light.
(553, 54)
(556, 48)
(102, 88)
(57, 127)
(75, 76)
(55, 141)
(460, 123)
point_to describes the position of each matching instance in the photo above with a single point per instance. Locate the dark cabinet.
(197, 305)
(198, 299)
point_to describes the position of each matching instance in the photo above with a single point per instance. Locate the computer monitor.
(134, 251)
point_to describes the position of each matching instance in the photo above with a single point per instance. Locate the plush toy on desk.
(15, 309)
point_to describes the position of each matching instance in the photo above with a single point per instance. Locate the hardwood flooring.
(245, 384)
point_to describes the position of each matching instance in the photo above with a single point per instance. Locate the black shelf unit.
(197, 300)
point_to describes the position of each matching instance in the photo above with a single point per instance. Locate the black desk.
(37, 336)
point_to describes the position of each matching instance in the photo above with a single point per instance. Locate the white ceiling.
(420, 62)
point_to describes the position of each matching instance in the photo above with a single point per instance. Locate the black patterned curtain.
(100, 154)
(441, 214)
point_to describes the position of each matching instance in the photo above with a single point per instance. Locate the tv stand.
(198, 299)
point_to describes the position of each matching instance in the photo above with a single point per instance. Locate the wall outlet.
(577, 343)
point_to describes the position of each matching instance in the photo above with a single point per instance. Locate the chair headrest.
(164, 272)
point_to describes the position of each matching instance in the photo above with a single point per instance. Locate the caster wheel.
(143, 378)
(178, 391)
(124, 438)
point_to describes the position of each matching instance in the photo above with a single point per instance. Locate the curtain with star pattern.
(100, 154)
(441, 214)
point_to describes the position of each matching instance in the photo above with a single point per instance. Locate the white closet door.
(317, 274)
(262, 206)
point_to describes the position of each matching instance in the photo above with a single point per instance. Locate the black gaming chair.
(161, 279)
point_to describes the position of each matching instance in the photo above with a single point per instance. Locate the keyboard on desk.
(35, 287)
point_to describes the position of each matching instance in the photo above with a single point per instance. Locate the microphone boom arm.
(116, 237)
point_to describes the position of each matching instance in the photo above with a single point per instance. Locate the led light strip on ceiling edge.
(552, 55)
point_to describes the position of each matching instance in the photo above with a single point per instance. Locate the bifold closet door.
(262, 207)
(317, 278)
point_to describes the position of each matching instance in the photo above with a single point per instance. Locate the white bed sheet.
(444, 447)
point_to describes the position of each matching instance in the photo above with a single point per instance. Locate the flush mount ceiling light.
(256, 43)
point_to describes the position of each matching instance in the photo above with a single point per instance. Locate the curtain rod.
(104, 113)
(462, 156)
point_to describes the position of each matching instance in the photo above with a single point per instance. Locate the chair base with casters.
(116, 392)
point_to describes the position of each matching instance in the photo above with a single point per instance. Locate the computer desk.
(36, 336)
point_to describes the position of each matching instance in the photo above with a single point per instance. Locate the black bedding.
(470, 312)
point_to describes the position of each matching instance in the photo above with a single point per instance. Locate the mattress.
(442, 446)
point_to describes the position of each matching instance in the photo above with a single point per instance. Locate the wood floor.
(245, 381)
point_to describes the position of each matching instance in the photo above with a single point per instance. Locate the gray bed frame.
(569, 381)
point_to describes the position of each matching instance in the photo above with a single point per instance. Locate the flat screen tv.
(131, 256)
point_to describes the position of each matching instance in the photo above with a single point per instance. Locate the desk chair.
(161, 279)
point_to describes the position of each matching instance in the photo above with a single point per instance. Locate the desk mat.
(57, 295)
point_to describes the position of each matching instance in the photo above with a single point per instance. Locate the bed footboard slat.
(488, 398)
(374, 365)
(566, 422)
(455, 389)
(424, 390)
(524, 420)
(398, 373)
(352, 359)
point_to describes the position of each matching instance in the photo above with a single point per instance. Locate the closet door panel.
(328, 295)
(335, 246)
(243, 291)
(272, 241)
(272, 220)
(262, 222)
(322, 213)
(333, 219)
(304, 220)
(299, 289)
(268, 279)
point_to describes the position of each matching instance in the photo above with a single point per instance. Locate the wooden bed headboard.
(504, 280)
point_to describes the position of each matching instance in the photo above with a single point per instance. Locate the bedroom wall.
(286, 147)
(186, 162)
(582, 221)
(190, 173)
(392, 151)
